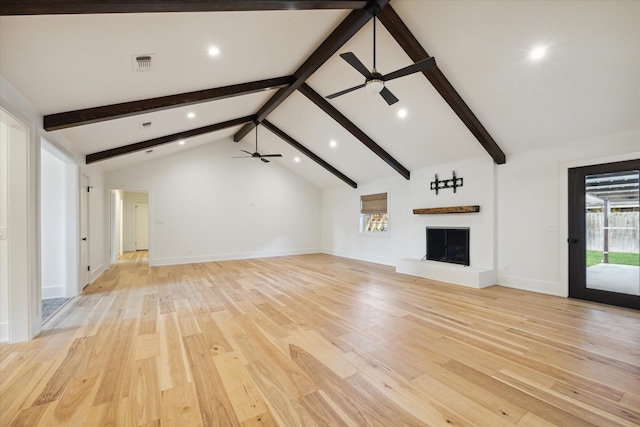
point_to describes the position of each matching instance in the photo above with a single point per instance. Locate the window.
(373, 214)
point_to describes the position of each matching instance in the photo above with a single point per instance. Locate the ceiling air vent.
(143, 62)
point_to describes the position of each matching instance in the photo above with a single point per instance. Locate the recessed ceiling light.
(402, 113)
(191, 115)
(333, 143)
(296, 159)
(213, 51)
(537, 52)
(182, 142)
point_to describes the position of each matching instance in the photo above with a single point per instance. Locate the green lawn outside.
(595, 257)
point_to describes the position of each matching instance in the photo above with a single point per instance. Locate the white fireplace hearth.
(472, 277)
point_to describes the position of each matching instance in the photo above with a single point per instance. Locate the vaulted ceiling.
(74, 62)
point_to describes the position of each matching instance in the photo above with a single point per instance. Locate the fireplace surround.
(454, 268)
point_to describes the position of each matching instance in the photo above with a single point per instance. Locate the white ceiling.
(588, 85)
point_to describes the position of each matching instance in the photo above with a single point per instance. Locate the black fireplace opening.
(448, 245)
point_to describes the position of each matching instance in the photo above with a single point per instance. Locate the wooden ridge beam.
(325, 106)
(126, 109)
(145, 145)
(56, 7)
(273, 128)
(400, 32)
(347, 28)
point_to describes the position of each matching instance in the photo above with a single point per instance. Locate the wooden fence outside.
(624, 231)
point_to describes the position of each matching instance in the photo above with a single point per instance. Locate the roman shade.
(373, 203)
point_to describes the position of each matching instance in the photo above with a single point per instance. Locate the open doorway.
(58, 224)
(129, 225)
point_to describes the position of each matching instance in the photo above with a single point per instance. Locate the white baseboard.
(4, 332)
(96, 272)
(53, 292)
(156, 262)
(525, 284)
(361, 257)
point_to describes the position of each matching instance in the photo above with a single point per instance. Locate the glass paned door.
(604, 233)
(613, 248)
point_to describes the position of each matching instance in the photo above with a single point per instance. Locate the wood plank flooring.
(318, 340)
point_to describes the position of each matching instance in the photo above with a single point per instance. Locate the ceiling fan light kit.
(256, 154)
(374, 81)
(374, 86)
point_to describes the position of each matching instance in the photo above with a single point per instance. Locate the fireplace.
(448, 245)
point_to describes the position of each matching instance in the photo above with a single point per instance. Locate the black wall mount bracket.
(454, 183)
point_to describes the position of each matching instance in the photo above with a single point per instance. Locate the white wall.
(52, 225)
(4, 211)
(116, 224)
(341, 210)
(205, 206)
(98, 222)
(520, 232)
(532, 209)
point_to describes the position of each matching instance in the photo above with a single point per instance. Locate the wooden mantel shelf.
(447, 210)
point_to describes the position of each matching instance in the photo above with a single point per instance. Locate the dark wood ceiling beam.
(126, 109)
(400, 32)
(56, 7)
(347, 28)
(304, 150)
(145, 145)
(325, 106)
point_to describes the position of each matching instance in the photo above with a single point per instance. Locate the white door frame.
(83, 239)
(114, 212)
(564, 206)
(73, 227)
(114, 225)
(22, 264)
(136, 225)
(71, 244)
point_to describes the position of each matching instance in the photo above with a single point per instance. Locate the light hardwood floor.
(319, 340)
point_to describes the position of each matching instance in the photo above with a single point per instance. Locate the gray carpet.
(49, 306)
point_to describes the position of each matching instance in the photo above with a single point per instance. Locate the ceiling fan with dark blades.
(256, 154)
(374, 81)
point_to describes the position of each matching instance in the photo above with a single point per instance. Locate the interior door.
(142, 226)
(604, 233)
